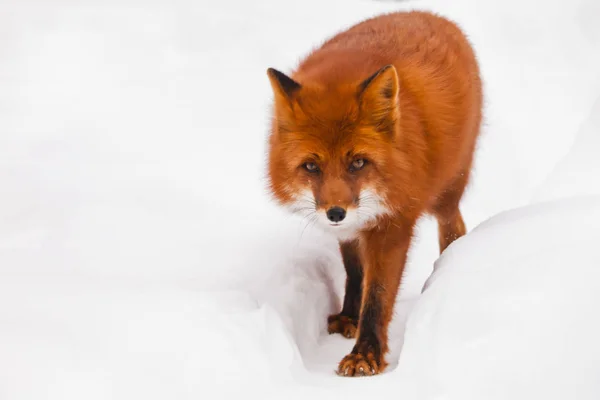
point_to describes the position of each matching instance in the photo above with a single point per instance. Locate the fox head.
(330, 148)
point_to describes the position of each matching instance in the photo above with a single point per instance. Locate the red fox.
(372, 130)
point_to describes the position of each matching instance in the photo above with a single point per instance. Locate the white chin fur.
(370, 207)
(345, 230)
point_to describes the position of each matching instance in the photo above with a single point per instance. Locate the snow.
(526, 314)
(576, 174)
(140, 256)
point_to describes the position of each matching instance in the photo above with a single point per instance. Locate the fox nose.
(336, 214)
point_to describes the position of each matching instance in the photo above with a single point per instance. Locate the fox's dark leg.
(383, 253)
(450, 222)
(346, 321)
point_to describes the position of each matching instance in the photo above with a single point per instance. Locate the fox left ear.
(378, 94)
(283, 86)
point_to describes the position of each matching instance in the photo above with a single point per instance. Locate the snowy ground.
(140, 256)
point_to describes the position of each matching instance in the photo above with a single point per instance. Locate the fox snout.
(335, 197)
(341, 215)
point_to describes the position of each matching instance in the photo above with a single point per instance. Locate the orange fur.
(381, 121)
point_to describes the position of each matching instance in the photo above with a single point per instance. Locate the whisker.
(308, 219)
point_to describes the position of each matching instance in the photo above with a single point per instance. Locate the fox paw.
(361, 365)
(343, 325)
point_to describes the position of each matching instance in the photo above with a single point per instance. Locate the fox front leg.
(384, 256)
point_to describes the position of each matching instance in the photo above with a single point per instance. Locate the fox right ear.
(380, 90)
(378, 97)
(282, 85)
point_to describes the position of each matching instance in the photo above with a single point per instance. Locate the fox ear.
(283, 86)
(378, 94)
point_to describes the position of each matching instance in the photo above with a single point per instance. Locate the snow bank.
(510, 311)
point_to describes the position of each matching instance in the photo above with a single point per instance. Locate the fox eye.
(357, 164)
(311, 167)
